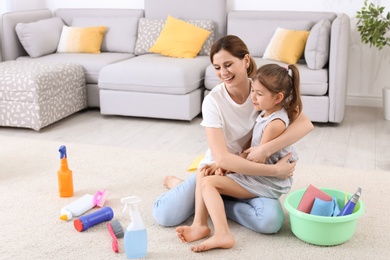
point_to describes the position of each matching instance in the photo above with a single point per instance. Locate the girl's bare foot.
(216, 241)
(171, 181)
(192, 233)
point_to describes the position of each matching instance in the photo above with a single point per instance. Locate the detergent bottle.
(64, 174)
(136, 240)
(77, 207)
(82, 223)
(349, 207)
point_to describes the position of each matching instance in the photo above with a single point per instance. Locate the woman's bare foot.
(171, 181)
(216, 241)
(192, 233)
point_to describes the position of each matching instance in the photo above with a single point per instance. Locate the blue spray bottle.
(136, 240)
(348, 208)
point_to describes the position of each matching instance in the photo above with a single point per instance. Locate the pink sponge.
(309, 196)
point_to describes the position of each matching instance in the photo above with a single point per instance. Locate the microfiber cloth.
(311, 193)
(194, 165)
(325, 208)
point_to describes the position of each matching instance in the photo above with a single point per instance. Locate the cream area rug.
(30, 206)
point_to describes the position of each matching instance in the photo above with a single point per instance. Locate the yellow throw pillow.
(286, 45)
(180, 39)
(81, 39)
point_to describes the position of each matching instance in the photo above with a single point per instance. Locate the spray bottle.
(136, 240)
(64, 174)
(348, 208)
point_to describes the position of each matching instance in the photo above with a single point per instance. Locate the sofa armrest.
(11, 48)
(338, 67)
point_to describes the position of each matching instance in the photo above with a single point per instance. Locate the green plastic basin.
(319, 230)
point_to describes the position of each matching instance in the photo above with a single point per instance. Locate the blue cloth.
(325, 208)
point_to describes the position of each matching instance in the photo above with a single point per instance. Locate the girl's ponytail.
(294, 104)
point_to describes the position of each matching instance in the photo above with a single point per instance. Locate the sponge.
(307, 201)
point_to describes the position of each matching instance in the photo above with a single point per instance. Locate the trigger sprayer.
(135, 240)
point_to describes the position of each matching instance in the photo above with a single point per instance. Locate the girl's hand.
(256, 154)
(212, 169)
(285, 169)
(221, 172)
(209, 169)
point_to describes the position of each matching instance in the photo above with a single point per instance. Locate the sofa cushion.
(150, 29)
(286, 45)
(313, 82)
(81, 39)
(154, 73)
(41, 37)
(92, 63)
(317, 45)
(121, 31)
(245, 23)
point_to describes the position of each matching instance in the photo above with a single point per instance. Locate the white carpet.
(30, 206)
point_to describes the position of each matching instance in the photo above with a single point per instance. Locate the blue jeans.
(259, 214)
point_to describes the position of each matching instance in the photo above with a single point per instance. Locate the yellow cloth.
(194, 165)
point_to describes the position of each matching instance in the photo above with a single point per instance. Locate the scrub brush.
(116, 231)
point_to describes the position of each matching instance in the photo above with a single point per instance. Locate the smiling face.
(231, 70)
(264, 99)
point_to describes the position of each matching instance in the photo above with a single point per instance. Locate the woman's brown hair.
(236, 47)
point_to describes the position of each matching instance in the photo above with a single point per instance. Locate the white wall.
(20, 5)
(133, 4)
(368, 68)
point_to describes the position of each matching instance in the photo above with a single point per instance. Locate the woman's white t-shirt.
(236, 120)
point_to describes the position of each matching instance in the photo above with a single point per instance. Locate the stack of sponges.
(316, 202)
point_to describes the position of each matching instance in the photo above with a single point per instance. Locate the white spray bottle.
(136, 240)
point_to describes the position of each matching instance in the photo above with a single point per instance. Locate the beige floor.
(361, 141)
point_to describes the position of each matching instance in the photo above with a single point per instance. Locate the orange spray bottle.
(64, 174)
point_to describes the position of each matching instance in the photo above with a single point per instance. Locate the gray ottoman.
(34, 94)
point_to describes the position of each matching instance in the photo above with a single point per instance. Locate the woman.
(229, 117)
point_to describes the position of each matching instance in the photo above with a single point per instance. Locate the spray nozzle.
(62, 151)
(130, 201)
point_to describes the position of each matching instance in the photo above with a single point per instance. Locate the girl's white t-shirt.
(236, 120)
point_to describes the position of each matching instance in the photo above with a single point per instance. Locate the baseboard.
(364, 101)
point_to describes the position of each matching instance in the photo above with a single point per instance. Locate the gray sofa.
(128, 82)
(323, 88)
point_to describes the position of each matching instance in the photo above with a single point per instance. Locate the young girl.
(275, 92)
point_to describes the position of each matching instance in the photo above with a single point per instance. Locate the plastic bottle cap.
(78, 225)
(64, 217)
(66, 214)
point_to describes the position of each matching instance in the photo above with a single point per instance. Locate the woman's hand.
(285, 169)
(256, 154)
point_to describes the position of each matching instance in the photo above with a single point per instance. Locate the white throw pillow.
(317, 45)
(41, 37)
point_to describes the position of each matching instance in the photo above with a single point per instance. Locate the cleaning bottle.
(83, 204)
(348, 208)
(136, 240)
(64, 174)
(84, 222)
(78, 207)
